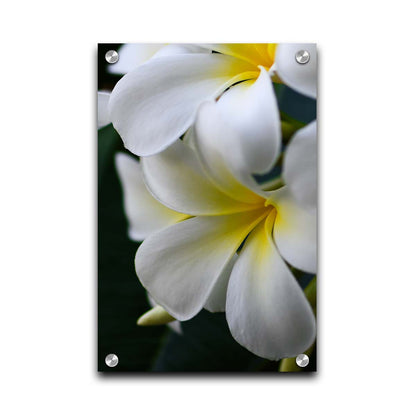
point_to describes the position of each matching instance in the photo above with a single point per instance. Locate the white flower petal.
(175, 326)
(300, 166)
(144, 213)
(250, 108)
(103, 115)
(175, 177)
(218, 295)
(180, 48)
(154, 104)
(294, 231)
(189, 138)
(131, 55)
(300, 77)
(221, 157)
(266, 309)
(181, 264)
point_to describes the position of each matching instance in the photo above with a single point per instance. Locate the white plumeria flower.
(146, 215)
(154, 104)
(193, 263)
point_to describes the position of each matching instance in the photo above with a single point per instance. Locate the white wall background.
(368, 210)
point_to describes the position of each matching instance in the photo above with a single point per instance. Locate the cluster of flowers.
(204, 119)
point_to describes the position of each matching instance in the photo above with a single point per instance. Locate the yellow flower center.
(255, 53)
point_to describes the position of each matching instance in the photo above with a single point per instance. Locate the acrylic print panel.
(207, 184)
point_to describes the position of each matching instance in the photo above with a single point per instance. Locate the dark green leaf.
(121, 298)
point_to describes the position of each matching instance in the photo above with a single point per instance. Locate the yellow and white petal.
(180, 265)
(145, 215)
(266, 309)
(255, 53)
(250, 108)
(175, 178)
(155, 104)
(103, 116)
(300, 77)
(218, 295)
(300, 166)
(294, 231)
(216, 146)
(131, 55)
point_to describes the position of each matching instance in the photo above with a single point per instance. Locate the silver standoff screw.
(111, 360)
(302, 360)
(111, 57)
(302, 57)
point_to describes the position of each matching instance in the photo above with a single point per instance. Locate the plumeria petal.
(294, 231)
(217, 298)
(222, 158)
(180, 48)
(181, 264)
(255, 53)
(174, 325)
(144, 213)
(131, 55)
(103, 115)
(175, 177)
(251, 110)
(266, 309)
(300, 166)
(300, 77)
(154, 105)
(189, 138)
